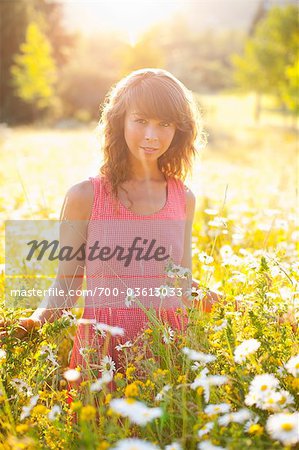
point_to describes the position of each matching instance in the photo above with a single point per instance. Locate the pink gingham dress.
(108, 281)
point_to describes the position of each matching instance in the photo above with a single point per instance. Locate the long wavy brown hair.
(157, 94)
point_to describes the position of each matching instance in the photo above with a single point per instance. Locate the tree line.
(49, 73)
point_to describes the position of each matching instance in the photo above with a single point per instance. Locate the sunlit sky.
(130, 18)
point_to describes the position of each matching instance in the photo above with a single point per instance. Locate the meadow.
(231, 381)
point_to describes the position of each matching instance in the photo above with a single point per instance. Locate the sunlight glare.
(129, 17)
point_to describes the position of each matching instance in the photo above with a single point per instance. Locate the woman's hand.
(289, 317)
(23, 327)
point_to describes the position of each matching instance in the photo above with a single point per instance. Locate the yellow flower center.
(287, 426)
(282, 400)
(264, 387)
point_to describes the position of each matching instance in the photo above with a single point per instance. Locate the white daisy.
(270, 402)
(72, 375)
(226, 252)
(107, 365)
(196, 366)
(284, 428)
(206, 381)
(98, 384)
(69, 317)
(123, 406)
(83, 351)
(143, 415)
(136, 411)
(263, 384)
(237, 417)
(292, 366)
(114, 331)
(174, 446)
(163, 391)
(221, 326)
(220, 408)
(207, 445)
(168, 335)
(26, 410)
(54, 412)
(195, 294)
(120, 347)
(285, 399)
(134, 444)
(194, 355)
(22, 387)
(84, 321)
(99, 332)
(247, 347)
(2, 355)
(252, 398)
(205, 429)
(130, 298)
(205, 258)
(175, 271)
(211, 212)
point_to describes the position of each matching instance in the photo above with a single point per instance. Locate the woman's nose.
(151, 133)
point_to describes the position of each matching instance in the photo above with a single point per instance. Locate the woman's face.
(147, 138)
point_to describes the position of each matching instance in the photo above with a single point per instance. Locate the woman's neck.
(141, 173)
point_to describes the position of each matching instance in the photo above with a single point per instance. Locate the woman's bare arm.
(75, 213)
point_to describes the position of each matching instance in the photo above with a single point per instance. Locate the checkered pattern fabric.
(110, 282)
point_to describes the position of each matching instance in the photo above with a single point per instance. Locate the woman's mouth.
(149, 149)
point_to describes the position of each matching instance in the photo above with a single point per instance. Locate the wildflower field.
(231, 381)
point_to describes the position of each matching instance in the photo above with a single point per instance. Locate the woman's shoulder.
(81, 192)
(78, 201)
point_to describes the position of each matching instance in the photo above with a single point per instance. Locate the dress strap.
(179, 196)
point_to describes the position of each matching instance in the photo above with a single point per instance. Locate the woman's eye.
(140, 121)
(165, 124)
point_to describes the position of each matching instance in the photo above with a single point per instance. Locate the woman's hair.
(155, 93)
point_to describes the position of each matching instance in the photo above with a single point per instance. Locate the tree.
(14, 19)
(290, 90)
(34, 71)
(267, 55)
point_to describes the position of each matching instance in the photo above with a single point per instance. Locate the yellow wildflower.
(199, 390)
(39, 410)
(256, 429)
(148, 331)
(182, 379)
(149, 383)
(103, 445)
(22, 428)
(129, 372)
(76, 406)
(295, 383)
(118, 376)
(88, 413)
(108, 399)
(131, 390)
